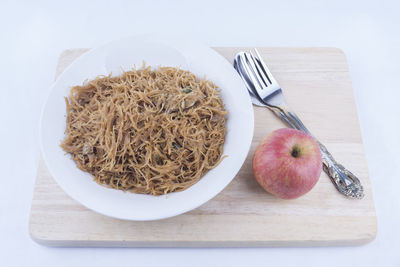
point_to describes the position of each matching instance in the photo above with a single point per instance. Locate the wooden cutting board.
(317, 85)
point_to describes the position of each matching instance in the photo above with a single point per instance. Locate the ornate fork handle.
(346, 182)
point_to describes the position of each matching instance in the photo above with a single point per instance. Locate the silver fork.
(262, 85)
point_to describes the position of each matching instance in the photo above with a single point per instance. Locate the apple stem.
(295, 152)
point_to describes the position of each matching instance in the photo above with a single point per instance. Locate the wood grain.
(317, 85)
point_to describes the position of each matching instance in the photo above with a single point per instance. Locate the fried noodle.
(146, 131)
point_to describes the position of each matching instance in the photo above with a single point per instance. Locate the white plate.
(165, 51)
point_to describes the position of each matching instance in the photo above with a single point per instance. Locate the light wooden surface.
(317, 85)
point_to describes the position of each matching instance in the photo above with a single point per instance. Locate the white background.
(33, 34)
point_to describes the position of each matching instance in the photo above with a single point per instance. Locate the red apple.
(287, 163)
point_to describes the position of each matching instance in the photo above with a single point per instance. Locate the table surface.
(34, 35)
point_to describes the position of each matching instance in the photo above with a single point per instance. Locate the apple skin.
(287, 163)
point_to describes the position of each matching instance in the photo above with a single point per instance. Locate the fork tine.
(250, 74)
(260, 71)
(265, 68)
(238, 66)
(254, 71)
